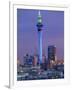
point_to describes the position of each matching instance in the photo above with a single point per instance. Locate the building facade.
(51, 53)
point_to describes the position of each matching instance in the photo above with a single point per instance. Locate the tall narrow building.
(39, 27)
(51, 53)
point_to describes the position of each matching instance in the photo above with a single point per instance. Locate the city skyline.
(53, 32)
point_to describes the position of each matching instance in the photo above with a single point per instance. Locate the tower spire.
(39, 14)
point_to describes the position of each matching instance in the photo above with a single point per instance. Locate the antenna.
(39, 13)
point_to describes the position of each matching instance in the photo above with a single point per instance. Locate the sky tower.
(39, 27)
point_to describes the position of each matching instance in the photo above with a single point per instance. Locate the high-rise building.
(43, 59)
(35, 60)
(51, 53)
(28, 60)
(39, 27)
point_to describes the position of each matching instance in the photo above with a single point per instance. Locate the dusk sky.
(27, 33)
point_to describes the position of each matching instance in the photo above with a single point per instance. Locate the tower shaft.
(40, 46)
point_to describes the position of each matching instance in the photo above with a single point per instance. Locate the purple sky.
(27, 34)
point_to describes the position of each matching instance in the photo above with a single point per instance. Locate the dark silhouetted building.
(51, 53)
(28, 60)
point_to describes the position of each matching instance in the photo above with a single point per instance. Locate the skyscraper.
(35, 59)
(51, 53)
(39, 27)
(28, 59)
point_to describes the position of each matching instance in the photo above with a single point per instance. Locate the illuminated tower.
(39, 27)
